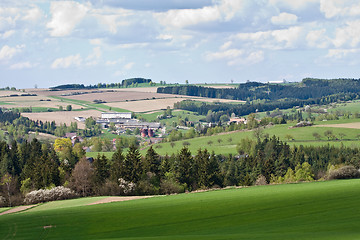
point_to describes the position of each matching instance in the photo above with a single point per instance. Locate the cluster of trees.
(309, 88)
(124, 83)
(31, 166)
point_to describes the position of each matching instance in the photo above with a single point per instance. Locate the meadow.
(225, 143)
(317, 210)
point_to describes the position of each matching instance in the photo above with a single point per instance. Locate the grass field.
(225, 143)
(228, 141)
(320, 210)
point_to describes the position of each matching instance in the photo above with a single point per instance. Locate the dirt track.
(118, 199)
(17, 209)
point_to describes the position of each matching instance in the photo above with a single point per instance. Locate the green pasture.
(95, 154)
(5, 103)
(318, 210)
(176, 115)
(225, 143)
(352, 107)
(228, 141)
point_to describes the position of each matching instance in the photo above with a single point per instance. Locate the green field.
(319, 210)
(301, 136)
(229, 140)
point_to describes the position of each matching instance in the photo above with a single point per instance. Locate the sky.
(47, 43)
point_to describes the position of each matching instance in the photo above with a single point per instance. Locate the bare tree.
(81, 177)
(7, 181)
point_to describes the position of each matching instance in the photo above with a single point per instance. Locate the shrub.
(146, 188)
(345, 172)
(170, 186)
(126, 188)
(110, 188)
(261, 180)
(45, 195)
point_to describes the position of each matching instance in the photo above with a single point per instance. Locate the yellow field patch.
(63, 117)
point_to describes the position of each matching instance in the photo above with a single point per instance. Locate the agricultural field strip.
(86, 105)
(63, 117)
(287, 211)
(34, 101)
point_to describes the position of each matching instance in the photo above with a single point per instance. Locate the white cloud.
(7, 34)
(237, 56)
(96, 41)
(227, 54)
(186, 17)
(7, 52)
(33, 14)
(284, 19)
(96, 54)
(129, 66)
(93, 58)
(165, 37)
(223, 10)
(21, 65)
(318, 39)
(8, 18)
(341, 53)
(275, 40)
(226, 45)
(334, 8)
(293, 4)
(65, 16)
(73, 60)
(112, 22)
(249, 59)
(348, 35)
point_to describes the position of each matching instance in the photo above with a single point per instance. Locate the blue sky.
(48, 43)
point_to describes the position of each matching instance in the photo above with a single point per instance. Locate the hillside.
(320, 210)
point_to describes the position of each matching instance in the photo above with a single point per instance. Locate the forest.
(33, 165)
(308, 88)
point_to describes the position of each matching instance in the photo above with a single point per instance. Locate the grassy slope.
(322, 210)
(302, 136)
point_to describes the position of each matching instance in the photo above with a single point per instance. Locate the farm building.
(116, 115)
(237, 120)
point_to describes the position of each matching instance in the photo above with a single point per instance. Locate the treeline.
(124, 83)
(8, 116)
(258, 106)
(309, 88)
(31, 166)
